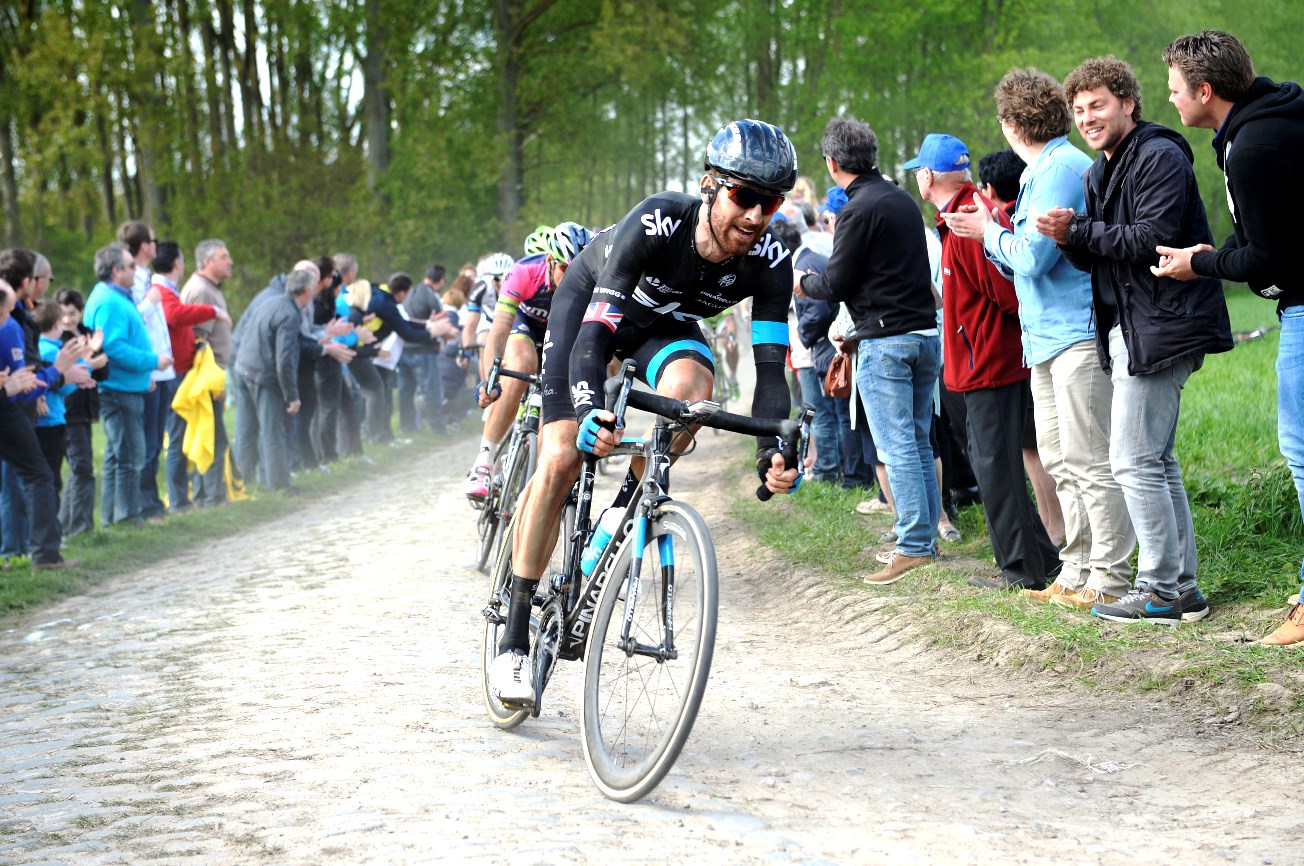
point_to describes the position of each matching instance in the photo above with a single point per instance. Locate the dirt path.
(283, 697)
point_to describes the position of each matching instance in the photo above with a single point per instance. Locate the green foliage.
(158, 110)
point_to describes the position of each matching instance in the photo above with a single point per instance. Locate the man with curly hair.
(1071, 393)
(1152, 331)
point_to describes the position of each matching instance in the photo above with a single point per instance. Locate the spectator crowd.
(152, 355)
(1043, 327)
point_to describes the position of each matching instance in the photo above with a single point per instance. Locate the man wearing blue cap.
(983, 364)
(879, 268)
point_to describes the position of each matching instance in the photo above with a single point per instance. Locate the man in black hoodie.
(1152, 332)
(1259, 143)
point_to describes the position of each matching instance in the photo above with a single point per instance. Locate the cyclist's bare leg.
(521, 356)
(539, 514)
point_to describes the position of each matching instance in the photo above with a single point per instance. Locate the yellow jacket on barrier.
(194, 403)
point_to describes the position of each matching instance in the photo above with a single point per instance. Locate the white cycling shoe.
(511, 679)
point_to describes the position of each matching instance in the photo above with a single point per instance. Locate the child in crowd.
(81, 409)
(50, 417)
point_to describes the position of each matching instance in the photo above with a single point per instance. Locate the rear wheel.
(641, 698)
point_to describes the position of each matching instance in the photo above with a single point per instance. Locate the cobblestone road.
(285, 697)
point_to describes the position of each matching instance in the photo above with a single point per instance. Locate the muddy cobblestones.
(288, 696)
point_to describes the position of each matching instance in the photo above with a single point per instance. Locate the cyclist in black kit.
(637, 293)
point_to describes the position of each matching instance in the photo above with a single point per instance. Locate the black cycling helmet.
(756, 152)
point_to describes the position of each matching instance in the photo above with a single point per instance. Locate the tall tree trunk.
(226, 50)
(511, 183)
(143, 95)
(193, 172)
(107, 199)
(375, 97)
(212, 90)
(9, 181)
(251, 94)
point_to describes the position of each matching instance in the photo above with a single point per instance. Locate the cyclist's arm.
(608, 292)
(496, 341)
(770, 347)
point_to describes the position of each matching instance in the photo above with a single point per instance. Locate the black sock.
(627, 490)
(517, 634)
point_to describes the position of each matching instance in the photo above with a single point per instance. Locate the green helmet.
(537, 240)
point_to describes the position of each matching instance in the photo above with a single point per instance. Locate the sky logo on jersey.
(655, 224)
(770, 248)
(581, 394)
(607, 314)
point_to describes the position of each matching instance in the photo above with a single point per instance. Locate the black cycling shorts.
(650, 348)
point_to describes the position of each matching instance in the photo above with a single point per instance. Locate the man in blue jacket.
(1152, 332)
(111, 310)
(18, 442)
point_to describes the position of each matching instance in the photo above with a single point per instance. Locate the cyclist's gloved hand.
(484, 396)
(597, 434)
(771, 469)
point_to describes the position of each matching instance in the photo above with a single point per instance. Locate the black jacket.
(1151, 200)
(1260, 149)
(814, 317)
(879, 265)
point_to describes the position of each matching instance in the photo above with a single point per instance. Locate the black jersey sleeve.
(620, 257)
(770, 343)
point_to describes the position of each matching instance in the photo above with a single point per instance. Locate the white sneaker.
(511, 679)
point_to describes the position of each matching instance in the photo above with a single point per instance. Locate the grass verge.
(1248, 534)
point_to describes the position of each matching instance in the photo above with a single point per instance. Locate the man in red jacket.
(169, 266)
(982, 360)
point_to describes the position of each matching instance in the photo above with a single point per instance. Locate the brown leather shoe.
(1055, 589)
(1085, 600)
(1291, 632)
(896, 569)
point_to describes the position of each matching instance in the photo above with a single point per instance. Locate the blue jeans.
(897, 375)
(123, 416)
(828, 438)
(420, 392)
(1290, 400)
(77, 507)
(1144, 419)
(158, 406)
(14, 527)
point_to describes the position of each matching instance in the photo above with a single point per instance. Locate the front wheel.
(641, 696)
(495, 623)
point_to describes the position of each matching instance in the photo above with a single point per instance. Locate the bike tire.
(490, 521)
(638, 711)
(518, 473)
(495, 613)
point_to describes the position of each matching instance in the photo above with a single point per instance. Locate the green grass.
(1249, 538)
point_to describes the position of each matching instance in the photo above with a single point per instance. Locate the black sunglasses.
(747, 198)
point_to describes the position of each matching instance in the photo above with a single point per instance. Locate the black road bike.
(643, 620)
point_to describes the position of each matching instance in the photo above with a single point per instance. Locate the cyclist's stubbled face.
(735, 229)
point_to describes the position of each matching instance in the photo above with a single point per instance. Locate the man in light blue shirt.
(1071, 392)
(122, 394)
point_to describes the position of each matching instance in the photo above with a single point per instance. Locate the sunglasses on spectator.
(747, 198)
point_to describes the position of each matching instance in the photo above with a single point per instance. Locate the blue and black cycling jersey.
(638, 290)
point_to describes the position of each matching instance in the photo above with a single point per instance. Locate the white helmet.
(496, 264)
